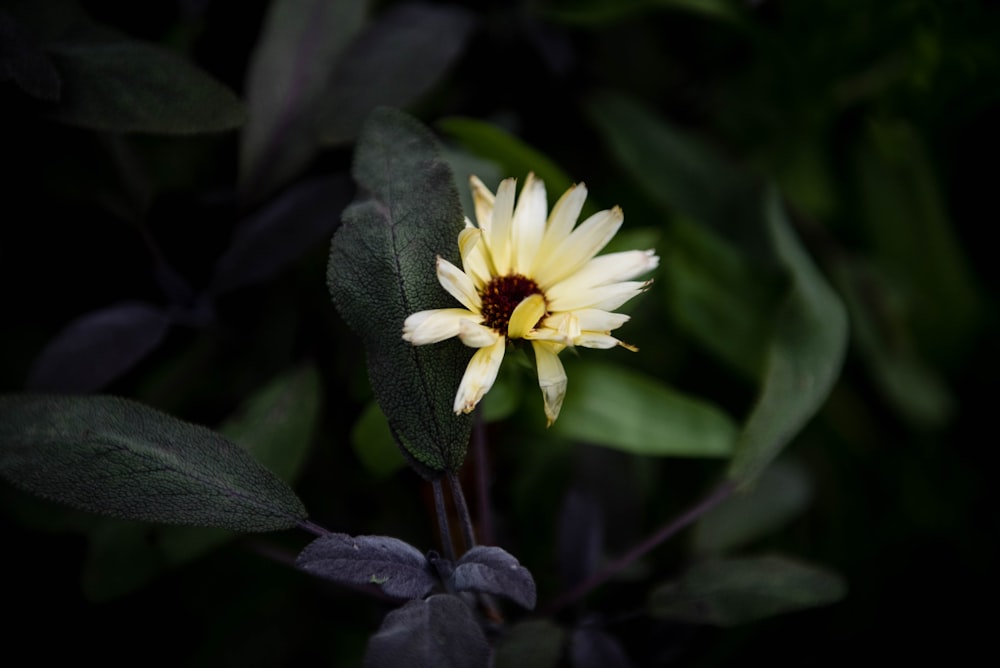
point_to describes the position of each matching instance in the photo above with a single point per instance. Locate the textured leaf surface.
(400, 56)
(382, 269)
(804, 358)
(130, 86)
(121, 458)
(98, 347)
(727, 592)
(289, 73)
(398, 568)
(492, 570)
(622, 409)
(439, 632)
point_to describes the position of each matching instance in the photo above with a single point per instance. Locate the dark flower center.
(502, 295)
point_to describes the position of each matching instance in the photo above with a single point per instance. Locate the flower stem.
(468, 533)
(442, 520)
(313, 528)
(718, 495)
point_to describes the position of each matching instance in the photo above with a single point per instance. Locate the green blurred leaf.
(130, 86)
(120, 458)
(626, 410)
(23, 61)
(804, 357)
(288, 76)
(533, 643)
(781, 494)
(914, 389)
(729, 592)
(907, 224)
(382, 269)
(400, 56)
(373, 443)
(719, 296)
(277, 424)
(515, 157)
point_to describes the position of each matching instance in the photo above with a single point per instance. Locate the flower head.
(534, 275)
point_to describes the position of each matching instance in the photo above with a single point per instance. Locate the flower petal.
(607, 269)
(475, 335)
(436, 325)
(458, 284)
(479, 376)
(551, 378)
(525, 316)
(498, 237)
(529, 224)
(603, 297)
(579, 247)
(563, 217)
(482, 200)
(475, 258)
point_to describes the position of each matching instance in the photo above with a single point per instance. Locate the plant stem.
(468, 533)
(719, 494)
(442, 519)
(482, 479)
(313, 528)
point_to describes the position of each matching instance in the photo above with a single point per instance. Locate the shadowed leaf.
(121, 458)
(399, 56)
(382, 269)
(130, 86)
(494, 571)
(288, 75)
(24, 63)
(396, 567)
(439, 632)
(98, 347)
(591, 647)
(728, 592)
(534, 643)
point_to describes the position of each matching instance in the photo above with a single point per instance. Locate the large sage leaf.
(121, 458)
(728, 592)
(492, 570)
(382, 269)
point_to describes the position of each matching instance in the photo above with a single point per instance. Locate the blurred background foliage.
(175, 171)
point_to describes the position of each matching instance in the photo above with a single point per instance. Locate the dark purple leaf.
(439, 632)
(593, 648)
(98, 347)
(494, 571)
(268, 241)
(398, 568)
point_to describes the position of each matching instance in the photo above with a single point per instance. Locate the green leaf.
(781, 494)
(277, 424)
(131, 86)
(626, 410)
(23, 62)
(288, 76)
(120, 458)
(382, 269)
(373, 443)
(598, 13)
(719, 297)
(804, 357)
(534, 643)
(729, 592)
(515, 157)
(397, 59)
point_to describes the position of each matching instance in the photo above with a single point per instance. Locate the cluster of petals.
(574, 290)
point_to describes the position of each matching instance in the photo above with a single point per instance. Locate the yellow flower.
(528, 275)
